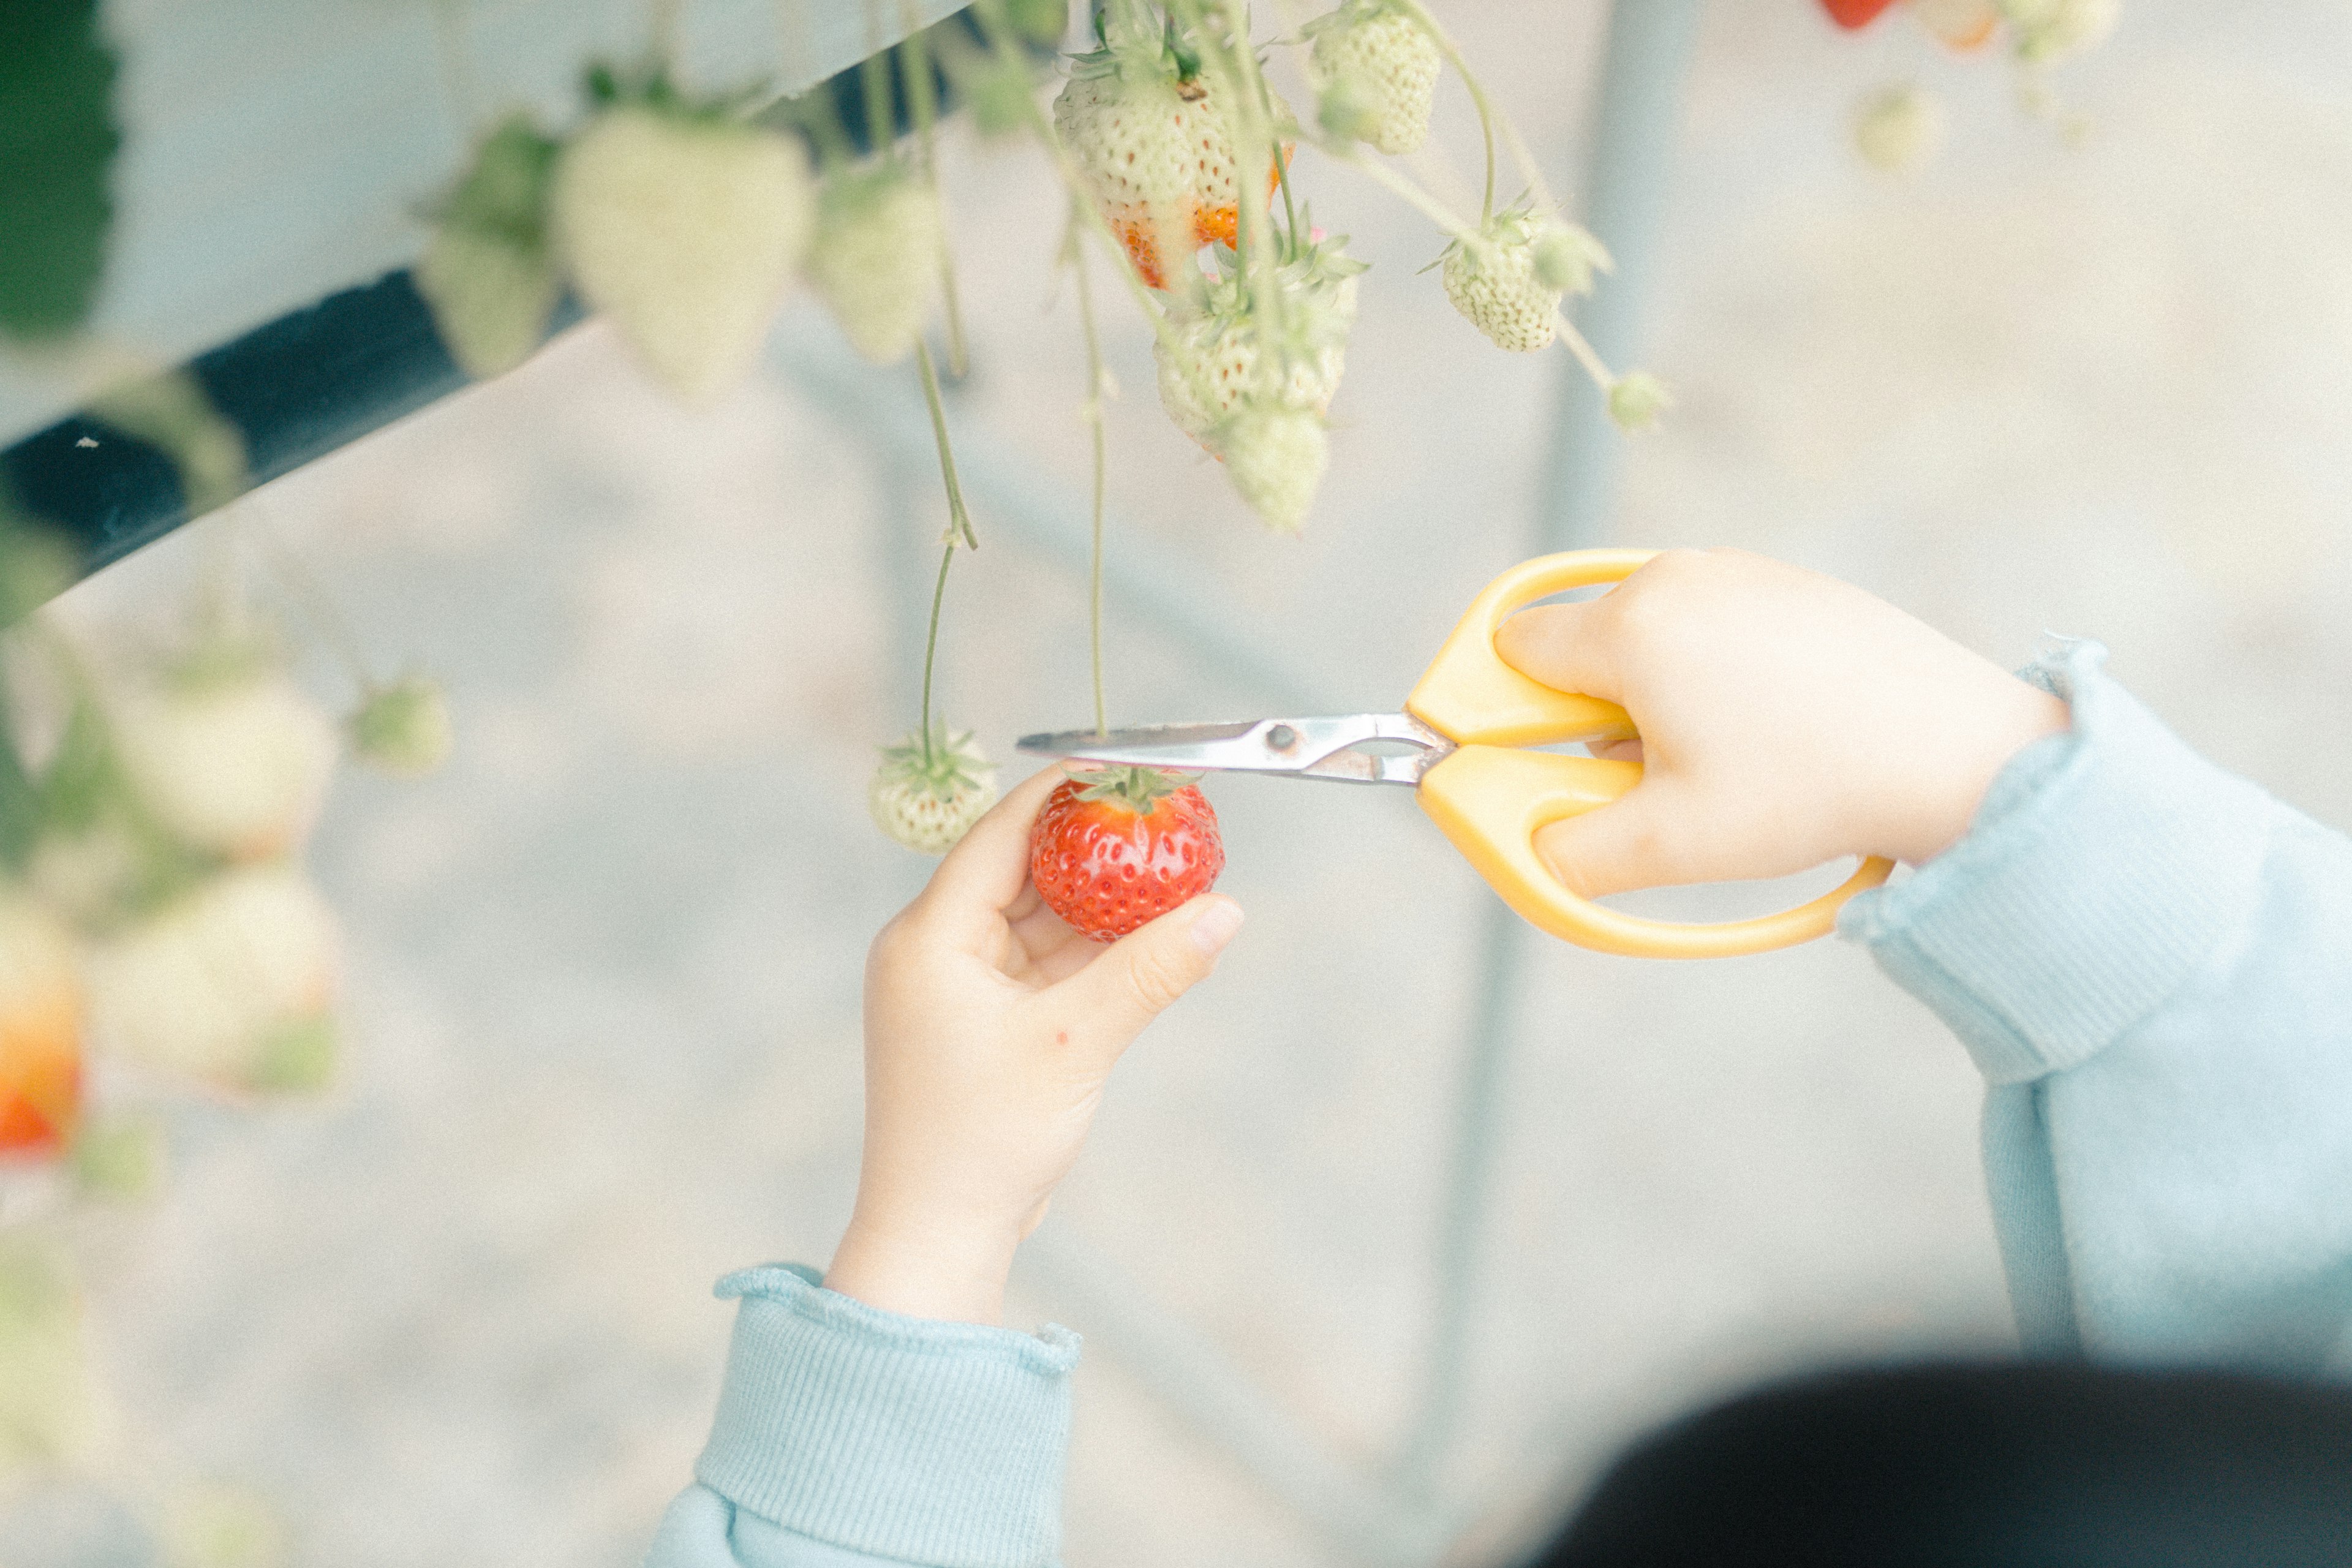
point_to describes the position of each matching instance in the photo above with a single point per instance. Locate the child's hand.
(1786, 718)
(989, 1029)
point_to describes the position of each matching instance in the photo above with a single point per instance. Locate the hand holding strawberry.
(990, 1028)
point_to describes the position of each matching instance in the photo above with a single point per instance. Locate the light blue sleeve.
(2152, 962)
(850, 1437)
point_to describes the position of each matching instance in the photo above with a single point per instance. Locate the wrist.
(924, 1269)
(1966, 754)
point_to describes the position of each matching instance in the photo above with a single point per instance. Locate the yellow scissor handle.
(1491, 798)
(1470, 695)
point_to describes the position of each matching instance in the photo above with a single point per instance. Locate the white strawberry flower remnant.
(1898, 130)
(228, 754)
(876, 257)
(402, 729)
(1375, 68)
(683, 227)
(233, 983)
(927, 798)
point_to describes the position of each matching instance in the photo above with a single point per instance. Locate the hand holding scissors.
(1466, 727)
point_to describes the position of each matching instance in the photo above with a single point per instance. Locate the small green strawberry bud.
(1636, 399)
(1039, 21)
(1275, 457)
(1566, 258)
(1344, 110)
(402, 729)
(297, 1057)
(1899, 130)
(2050, 30)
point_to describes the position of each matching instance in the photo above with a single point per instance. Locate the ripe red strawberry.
(1854, 13)
(1157, 154)
(1114, 849)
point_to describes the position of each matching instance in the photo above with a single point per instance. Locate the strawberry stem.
(959, 528)
(915, 69)
(874, 80)
(1445, 44)
(931, 646)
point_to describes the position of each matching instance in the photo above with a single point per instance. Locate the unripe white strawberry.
(1898, 129)
(1210, 361)
(489, 272)
(2048, 30)
(928, 800)
(41, 1005)
(1156, 152)
(47, 1415)
(402, 729)
(233, 760)
(1382, 67)
(684, 229)
(877, 258)
(233, 983)
(1275, 456)
(1495, 283)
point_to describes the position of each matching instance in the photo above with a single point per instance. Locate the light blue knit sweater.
(2152, 962)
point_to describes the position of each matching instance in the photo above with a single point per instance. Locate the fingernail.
(1215, 926)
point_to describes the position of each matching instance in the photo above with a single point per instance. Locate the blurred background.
(602, 970)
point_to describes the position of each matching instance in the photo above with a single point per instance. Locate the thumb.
(1615, 848)
(1133, 980)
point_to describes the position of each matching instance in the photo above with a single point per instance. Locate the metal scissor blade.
(1301, 748)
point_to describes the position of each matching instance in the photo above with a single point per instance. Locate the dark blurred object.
(1987, 1467)
(58, 141)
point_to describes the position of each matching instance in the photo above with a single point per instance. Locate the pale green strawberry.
(1210, 361)
(402, 729)
(1899, 130)
(1498, 285)
(1275, 456)
(2048, 30)
(1376, 68)
(876, 257)
(683, 227)
(928, 800)
(489, 272)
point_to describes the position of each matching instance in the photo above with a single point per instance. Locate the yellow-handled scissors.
(1467, 724)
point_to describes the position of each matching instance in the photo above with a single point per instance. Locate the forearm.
(2152, 963)
(846, 1434)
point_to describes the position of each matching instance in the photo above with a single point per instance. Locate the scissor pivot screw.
(1282, 737)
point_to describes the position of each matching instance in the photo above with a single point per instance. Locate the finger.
(1564, 646)
(1628, 844)
(986, 870)
(1130, 983)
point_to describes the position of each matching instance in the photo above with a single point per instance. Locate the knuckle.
(1156, 979)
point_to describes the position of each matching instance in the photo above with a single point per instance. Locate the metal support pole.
(1644, 63)
(1627, 175)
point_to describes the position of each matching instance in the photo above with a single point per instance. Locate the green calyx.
(647, 85)
(504, 195)
(1139, 789)
(945, 768)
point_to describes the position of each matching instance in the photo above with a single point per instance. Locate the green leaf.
(58, 141)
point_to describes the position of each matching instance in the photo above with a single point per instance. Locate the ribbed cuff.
(2103, 868)
(932, 1442)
